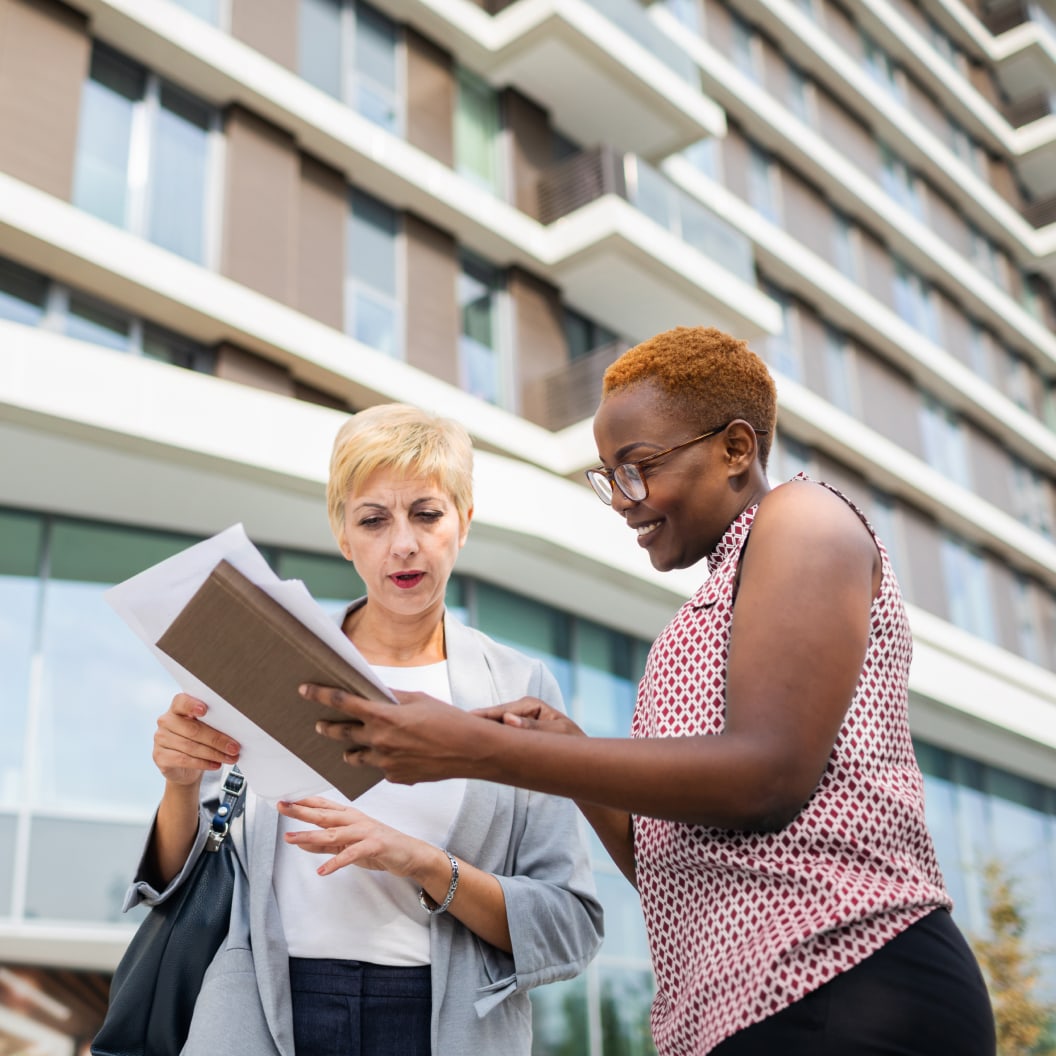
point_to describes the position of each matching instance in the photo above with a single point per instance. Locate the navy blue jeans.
(921, 994)
(348, 1008)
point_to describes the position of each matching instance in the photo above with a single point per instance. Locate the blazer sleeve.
(141, 890)
(555, 918)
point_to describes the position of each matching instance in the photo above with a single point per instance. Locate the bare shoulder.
(804, 514)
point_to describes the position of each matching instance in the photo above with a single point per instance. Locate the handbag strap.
(234, 792)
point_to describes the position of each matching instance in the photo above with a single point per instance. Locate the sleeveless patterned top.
(743, 924)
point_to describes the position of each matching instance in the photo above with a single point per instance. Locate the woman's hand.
(351, 837)
(421, 739)
(185, 747)
(529, 713)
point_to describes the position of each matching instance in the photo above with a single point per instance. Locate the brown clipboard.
(252, 652)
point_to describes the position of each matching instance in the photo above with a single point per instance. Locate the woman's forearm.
(478, 903)
(616, 833)
(175, 828)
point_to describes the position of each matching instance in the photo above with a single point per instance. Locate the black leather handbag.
(157, 980)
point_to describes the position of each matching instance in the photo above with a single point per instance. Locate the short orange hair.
(710, 376)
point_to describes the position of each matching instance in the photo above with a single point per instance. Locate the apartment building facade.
(226, 224)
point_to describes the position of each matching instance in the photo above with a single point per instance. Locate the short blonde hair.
(407, 439)
(710, 376)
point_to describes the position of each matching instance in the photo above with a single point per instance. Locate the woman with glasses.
(768, 805)
(414, 920)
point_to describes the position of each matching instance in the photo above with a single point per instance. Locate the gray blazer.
(534, 844)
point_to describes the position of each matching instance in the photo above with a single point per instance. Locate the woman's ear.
(742, 445)
(464, 535)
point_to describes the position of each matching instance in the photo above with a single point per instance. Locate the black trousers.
(921, 994)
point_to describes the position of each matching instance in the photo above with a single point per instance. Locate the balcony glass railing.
(683, 215)
(631, 17)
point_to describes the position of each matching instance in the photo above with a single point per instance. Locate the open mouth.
(406, 580)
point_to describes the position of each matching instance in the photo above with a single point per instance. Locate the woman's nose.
(404, 542)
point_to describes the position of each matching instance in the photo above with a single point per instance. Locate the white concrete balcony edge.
(67, 945)
(159, 31)
(989, 211)
(896, 470)
(982, 681)
(848, 185)
(55, 386)
(87, 253)
(105, 434)
(1006, 45)
(848, 305)
(958, 93)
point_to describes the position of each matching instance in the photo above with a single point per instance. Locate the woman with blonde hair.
(435, 910)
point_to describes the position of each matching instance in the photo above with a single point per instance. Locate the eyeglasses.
(627, 476)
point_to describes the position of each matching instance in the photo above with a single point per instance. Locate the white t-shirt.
(361, 914)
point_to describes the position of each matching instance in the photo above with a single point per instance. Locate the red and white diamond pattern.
(743, 924)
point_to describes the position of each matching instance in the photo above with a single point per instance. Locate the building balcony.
(630, 247)
(603, 65)
(572, 393)
(1003, 15)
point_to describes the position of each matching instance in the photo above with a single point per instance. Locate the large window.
(839, 372)
(968, 593)
(477, 133)
(29, 298)
(783, 349)
(762, 186)
(900, 182)
(372, 303)
(144, 155)
(914, 302)
(979, 815)
(350, 50)
(481, 362)
(945, 447)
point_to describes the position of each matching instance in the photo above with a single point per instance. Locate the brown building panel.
(247, 368)
(539, 340)
(532, 149)
(808, 215)
(926, 582)
(431, 94)
(322, 218)
(269, 26)
(878, 270)
(44, 56)
(846, 133)
(893, 404)
(433, 323)
(260, 206)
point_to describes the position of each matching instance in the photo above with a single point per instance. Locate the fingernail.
(303, 689)
(318, 727)
(232, 748)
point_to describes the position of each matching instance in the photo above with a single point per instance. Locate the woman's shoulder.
(494, 651)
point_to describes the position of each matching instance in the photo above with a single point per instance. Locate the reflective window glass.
(375, 89)
(319, 44)
(606, 680)
(22, 294)
(479, 285)
(8, 825)
(206, 9)
(332, 581)
(105, 854)
(88, 320)
(179, 172)
(109, 97)
(477, 132)
(372, 309)
(560, 1017)
(625, 1002)
(101, 690)
(968, 588)
(21, 537)
(839, 372)
(530, 626)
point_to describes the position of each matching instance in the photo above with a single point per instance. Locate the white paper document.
(151, 600)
